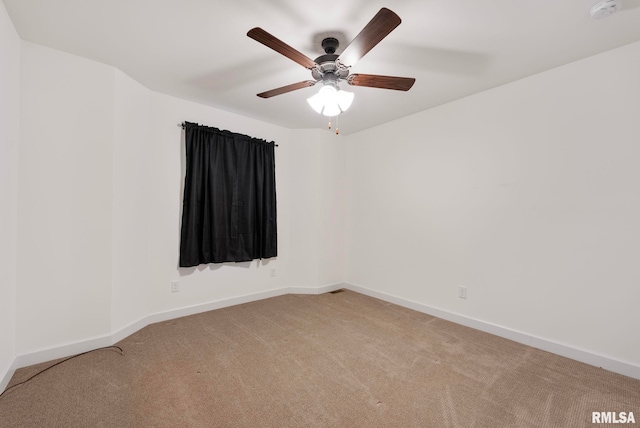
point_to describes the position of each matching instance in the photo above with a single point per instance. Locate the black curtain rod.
(181, 125)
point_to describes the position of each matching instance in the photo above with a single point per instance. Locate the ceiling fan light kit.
(604, 8)
(331, 101)
(330, 69)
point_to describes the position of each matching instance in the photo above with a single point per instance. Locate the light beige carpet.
(332, 360)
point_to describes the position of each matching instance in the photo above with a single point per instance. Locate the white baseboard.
(8, 374)
(331, 287)
(218, 304)
(48, 354)
(303, 290)
(316, 290)
(62, 351)
(66, 350)
(211, 306)
(69, 349)
(568, 351)
(124, 332)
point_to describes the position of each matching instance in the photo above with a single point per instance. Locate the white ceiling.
(198, 49)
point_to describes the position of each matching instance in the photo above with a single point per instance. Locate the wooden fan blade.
(288, 88)
(377, 29)
(259, 35)
(383, 82)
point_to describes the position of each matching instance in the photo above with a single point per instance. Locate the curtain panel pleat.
(229, 205)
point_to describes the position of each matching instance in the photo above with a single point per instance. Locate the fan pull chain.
(337, 125)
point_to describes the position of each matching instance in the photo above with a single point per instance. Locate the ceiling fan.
(331, 69)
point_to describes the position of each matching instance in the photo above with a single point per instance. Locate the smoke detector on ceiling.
(604, 8)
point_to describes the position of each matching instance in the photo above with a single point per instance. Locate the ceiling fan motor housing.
(328, 70)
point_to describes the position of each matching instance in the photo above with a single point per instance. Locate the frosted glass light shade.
(330, 101)
(331, 110)
(316, 103)
(344, 99)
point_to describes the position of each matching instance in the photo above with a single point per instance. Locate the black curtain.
(229, 206)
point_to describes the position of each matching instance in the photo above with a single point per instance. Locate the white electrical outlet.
(462, 292)
(175, 286)
(273, 273)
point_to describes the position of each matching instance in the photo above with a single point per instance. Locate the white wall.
(514, 193)
(130, 204)
(9, 141)
(299, 211)
(317, 220)
(165, 167)
(64, 199)
(100, 195)
(527, 194)
(332, 207)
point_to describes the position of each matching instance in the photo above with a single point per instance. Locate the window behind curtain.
(229, 206)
